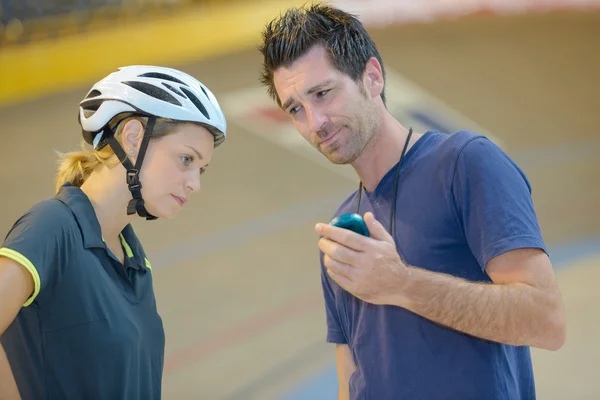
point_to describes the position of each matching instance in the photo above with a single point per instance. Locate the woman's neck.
(109, 196)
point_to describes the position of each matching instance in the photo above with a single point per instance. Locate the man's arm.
(345, 367)
(343, 356)
(522, 307)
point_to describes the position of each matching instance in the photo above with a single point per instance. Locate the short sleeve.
(334, 328)
(493, 201)
(41, 241)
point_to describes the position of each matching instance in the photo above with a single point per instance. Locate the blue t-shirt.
(461, 201)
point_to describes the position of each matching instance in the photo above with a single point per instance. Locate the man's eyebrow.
(287, 104)
(312, 90)
(319, 87)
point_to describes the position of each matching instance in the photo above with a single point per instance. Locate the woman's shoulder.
(47, 215)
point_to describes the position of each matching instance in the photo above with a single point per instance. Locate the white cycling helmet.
(153, 92)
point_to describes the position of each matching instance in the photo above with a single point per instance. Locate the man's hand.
(522, 306)
(368, 267)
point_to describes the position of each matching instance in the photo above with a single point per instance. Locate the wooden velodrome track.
(236, 273)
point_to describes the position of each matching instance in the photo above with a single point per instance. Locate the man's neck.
(382, 152)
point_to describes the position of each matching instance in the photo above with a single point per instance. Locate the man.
(453, 285)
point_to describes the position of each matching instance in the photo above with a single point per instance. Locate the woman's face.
(172, 167)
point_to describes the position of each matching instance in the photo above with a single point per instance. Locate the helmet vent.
(93, 93)
(196, 102)
(91, 106)
(165, 77)
(174, 90)
(153, 91)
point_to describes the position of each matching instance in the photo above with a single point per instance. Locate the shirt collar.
(74, 198)
(85, 215)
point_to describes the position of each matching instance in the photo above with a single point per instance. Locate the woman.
(78, 315)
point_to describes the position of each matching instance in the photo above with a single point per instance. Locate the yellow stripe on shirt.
(24, 261)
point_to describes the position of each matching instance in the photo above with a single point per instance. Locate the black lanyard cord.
(392, 211)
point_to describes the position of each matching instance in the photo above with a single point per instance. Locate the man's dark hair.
(293, 34)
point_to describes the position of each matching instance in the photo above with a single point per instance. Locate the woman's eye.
(187, 160)
(202, 170)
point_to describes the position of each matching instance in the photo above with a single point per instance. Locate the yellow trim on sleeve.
(148, 264)
(24, 261)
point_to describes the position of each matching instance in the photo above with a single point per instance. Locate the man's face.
(330, 110)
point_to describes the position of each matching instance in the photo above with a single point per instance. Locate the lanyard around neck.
(392, 211)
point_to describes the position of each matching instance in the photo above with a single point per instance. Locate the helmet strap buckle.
(136, 204)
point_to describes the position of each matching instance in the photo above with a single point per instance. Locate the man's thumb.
(376, 229)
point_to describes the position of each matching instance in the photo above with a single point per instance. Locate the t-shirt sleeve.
(493, 201)
(41, 241)
(334, 327)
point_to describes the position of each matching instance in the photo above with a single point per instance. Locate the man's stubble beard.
(356, 141)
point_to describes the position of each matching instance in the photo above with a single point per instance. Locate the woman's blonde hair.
(75, 167)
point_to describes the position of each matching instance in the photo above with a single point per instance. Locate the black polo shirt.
(91, 329)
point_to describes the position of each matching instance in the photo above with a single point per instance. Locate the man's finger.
(337, 267)
(338, 251)
(341, 280)
(343, 236)
(376, 228)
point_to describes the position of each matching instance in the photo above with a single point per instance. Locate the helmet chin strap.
(136, 204)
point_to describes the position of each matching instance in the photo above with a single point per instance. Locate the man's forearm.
(8, 386)
(516, 314)
(345, 368)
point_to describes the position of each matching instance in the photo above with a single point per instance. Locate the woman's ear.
(131, 136)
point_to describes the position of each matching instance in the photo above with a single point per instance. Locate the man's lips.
(328, 139)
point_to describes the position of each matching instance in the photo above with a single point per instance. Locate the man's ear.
(373, 78)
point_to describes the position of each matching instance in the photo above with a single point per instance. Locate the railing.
(24, 21)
